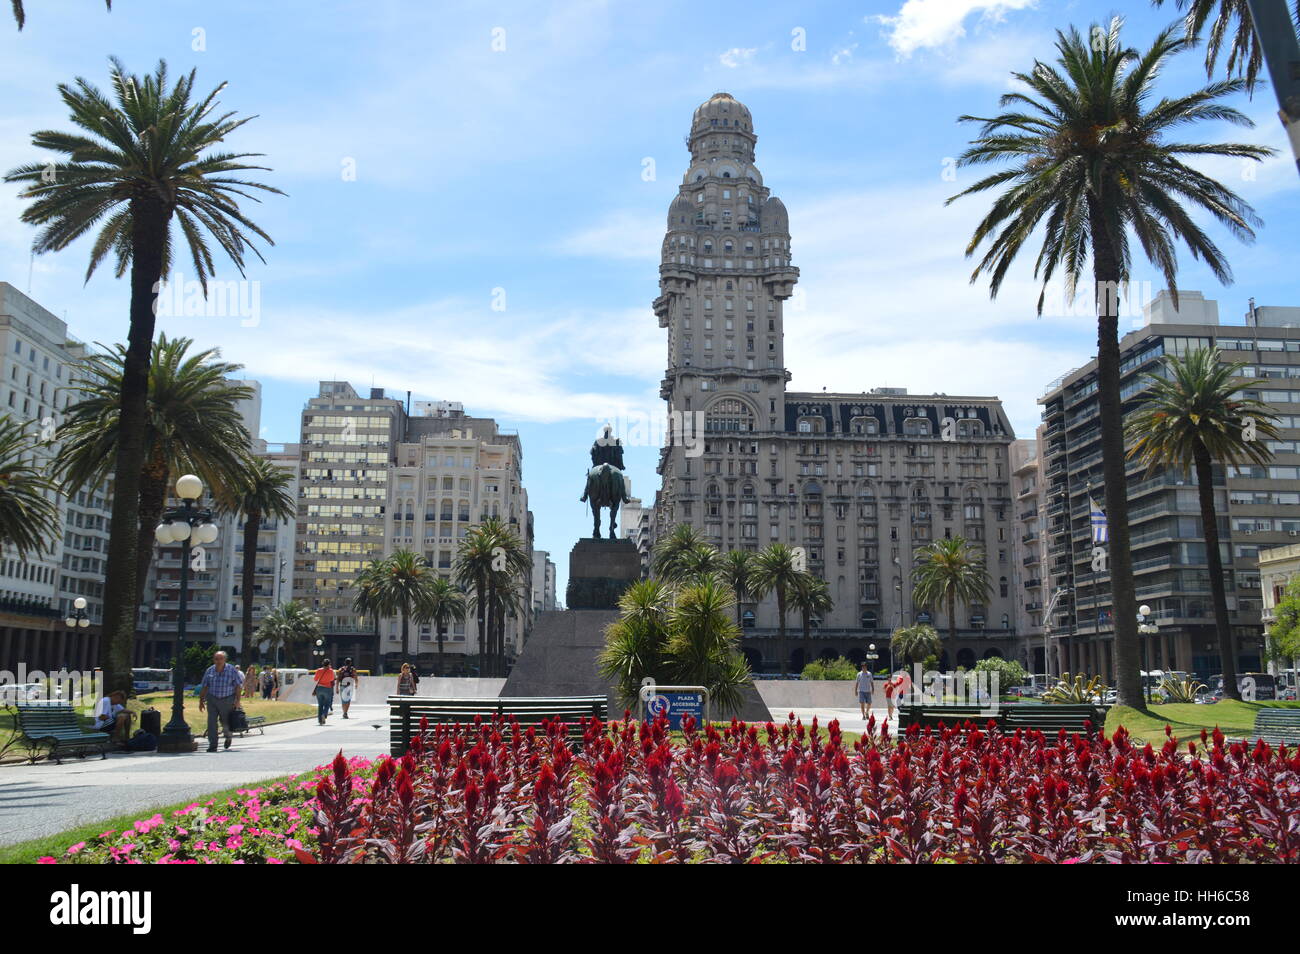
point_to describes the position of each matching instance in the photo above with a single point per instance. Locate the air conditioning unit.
(1294, 533)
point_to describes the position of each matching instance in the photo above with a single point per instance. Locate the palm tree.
(697, 563)
(289, 624)
(263, 494)
(635, 644)
(1232, 22)
(673, 551)
(734, 569)
(489, 560)
(366, 602)
(447, 605)
(29, 518)
(811, 596)
(916, 643)
(703, 646)
(402, 586)
(948, 572)
(1091, 161)
(776, 570)
(20, 15)
(141, 159)
(1189, 418)
(192, 425)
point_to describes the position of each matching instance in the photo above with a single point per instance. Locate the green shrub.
(1010, 673)
(840, 668)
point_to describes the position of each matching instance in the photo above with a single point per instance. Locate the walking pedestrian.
(219, 694)
(325, 677)
(406, 681)
(348, 682)
(865, 686)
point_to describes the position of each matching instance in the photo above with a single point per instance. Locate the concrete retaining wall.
(782, 695)
(375, 690)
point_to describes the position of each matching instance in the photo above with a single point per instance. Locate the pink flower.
(76, 849)
(47, 860)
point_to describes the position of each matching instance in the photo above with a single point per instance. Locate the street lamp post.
(75, 620)
(1146, 629)
(186, 522)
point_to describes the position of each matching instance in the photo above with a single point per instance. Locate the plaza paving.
(45, 799)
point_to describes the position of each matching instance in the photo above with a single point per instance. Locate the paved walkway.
(850, 718)
(44, 799)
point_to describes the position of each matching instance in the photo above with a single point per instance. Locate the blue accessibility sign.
(674, 704)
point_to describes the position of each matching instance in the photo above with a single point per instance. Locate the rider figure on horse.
(606, 485)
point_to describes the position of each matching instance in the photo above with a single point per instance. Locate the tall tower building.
(723, 281)
(860, 481)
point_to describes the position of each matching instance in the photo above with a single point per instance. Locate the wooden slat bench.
(1277, 726)
(55, 726)
(1045, 717)
(1049, 717)
(405, 713)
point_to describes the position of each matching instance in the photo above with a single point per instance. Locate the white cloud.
(623, 234)
(922, 24)
(736, 56)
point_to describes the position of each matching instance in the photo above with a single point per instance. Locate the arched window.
(967, 428)
(864, 425)
(728, 414)
(916, 427)
(868, 619)
(812, 425)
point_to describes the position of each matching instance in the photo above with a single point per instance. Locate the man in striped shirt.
(219, 693)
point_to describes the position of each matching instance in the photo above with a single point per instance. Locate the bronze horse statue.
(606, 485)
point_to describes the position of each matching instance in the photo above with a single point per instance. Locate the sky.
(477, 192)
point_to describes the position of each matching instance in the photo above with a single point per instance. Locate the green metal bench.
(1048, 718)
(254, 722)
(405, 713)
(55, 726)
(1277, 726)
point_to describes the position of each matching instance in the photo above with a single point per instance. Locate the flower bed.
(492, 792)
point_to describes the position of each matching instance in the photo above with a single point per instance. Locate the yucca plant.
(1080, 690)
(1180, 690)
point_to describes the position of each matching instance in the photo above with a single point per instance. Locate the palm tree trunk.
(442, 635)
(481, 609)
(1209, 521)
(153, 490)
(406, 646)
(1106, 273)
(952, 621)
(148, 235)
(252, 524)
(807, 636)
(780, 629)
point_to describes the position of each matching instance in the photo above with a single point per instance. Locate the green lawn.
(1187, 720)
(162, 701)
(26, 852)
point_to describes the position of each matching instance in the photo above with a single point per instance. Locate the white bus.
(151, 680)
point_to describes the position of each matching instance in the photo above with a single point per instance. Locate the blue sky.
(503, 147)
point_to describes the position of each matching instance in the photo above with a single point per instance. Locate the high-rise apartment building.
(859, 481)
(37, 362)
(1258, 507)
(375, 478)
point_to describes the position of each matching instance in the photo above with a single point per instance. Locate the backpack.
(142, 741)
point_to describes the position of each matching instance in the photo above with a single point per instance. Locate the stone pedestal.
(599, 572)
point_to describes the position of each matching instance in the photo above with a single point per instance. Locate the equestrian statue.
(606, 484)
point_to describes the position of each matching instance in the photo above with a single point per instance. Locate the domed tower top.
(722, 125)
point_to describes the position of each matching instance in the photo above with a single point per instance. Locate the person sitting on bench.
(111, 716)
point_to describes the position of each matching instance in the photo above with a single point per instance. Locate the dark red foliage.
(492, 791)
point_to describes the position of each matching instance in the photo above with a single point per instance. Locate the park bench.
(254, 722)
(952, 716)
(1048, 718)
(1277, 726)
(55, 726)
(405, 713)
